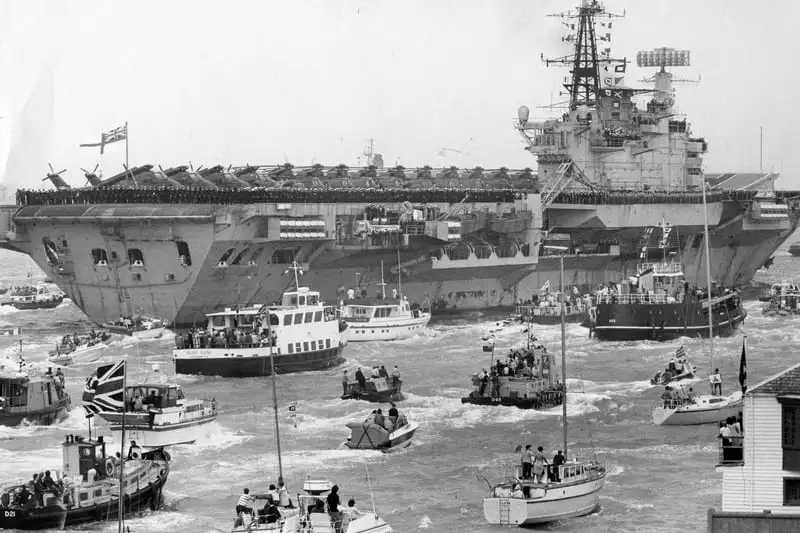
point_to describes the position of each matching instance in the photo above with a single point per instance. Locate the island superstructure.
(182, 242)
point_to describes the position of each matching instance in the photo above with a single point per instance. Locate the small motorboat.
(374, 389)
(40, 399)
(390, 436)
(34, 297)
(72, 346)
(675, 371)
(701, 409)
(141, 326)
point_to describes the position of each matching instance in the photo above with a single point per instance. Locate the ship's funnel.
(523, 113)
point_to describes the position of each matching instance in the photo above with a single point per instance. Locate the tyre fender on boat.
(110, 469)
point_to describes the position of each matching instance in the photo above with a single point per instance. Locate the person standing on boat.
(527, 462)
(333, 509)
(395, 376)
(245, 503)
(558, 460)
(716, 382)
(383, 373)
(344, 382)
(539, 463)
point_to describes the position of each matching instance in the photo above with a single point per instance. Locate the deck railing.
(639, 298)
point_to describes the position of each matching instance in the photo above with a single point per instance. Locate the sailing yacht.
(574, 490)
(284, 516)
(703, 408)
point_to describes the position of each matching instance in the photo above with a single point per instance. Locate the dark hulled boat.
(374, 389)
(88, 489)
(37, 399)
(302, 333)
(658, 304)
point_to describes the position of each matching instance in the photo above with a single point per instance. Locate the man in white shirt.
(716, 382)
(351, 510)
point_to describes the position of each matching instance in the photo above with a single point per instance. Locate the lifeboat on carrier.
(87, 489)
(392, 434)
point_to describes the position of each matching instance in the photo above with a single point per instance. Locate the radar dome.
(523, 113)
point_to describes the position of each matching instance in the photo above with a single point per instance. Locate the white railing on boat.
(639, 299)
(666, 268)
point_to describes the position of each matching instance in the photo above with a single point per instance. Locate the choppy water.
(661, 479)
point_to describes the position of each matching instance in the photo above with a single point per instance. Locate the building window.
(791, 436)
(327, 343)
(183, 253)
(239, 257)
(791, 491)
(305, 346)
(291, 347)
(135, 257)
(99, 257)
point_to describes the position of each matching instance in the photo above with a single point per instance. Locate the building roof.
(785, 382)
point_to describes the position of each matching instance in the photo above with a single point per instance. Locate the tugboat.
(379, 432)
(304, 333)
(675, 371)
(382, 319)
(88, 489)
(74, 345)
(156, 412)
(141, 326)
(38, 399)
(657, 304)
(524, 381)
(34, 297)
(380, 387)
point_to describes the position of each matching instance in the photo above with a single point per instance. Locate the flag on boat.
(680, 352)
(545, 287)
(104, 390)
(119, 133)
(293, 412)
(743, 367)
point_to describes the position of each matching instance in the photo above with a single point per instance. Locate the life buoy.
(110, 469)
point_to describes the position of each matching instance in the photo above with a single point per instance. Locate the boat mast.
(121, 500)
(708, 273)
(275, 396)
(563, 352)
(295, 267)
(399, 276)
(382, 283)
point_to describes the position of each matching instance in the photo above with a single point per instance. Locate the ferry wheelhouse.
(658, 304)
(303, 333)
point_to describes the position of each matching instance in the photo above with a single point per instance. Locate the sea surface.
(660, 479)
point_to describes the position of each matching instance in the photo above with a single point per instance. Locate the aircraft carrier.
(619, 179)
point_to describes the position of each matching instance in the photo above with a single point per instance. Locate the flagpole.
(121, 501)
(126, 145)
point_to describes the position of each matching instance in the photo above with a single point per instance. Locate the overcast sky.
(263, 82)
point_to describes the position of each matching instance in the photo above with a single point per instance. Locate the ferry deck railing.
(639, 299)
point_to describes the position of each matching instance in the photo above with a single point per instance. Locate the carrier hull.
(183, 246)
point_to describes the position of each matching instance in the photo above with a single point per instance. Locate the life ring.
(110, 468)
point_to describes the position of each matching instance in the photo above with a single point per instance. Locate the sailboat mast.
(399, 275)
(564, 353)
(275, 399)
(708, 273)
(121, 501)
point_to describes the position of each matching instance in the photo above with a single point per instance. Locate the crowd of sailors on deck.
(549, 303)
(521, 363)
(228, 338)
(255, 195)
(622, 197)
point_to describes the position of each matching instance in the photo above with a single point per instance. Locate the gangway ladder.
(505, 511)
(564, 174)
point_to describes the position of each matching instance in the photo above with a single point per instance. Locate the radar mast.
(584, 85)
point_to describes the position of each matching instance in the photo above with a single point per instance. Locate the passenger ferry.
(87, 490)
(157, 414)
(382, 319)
(302, 332)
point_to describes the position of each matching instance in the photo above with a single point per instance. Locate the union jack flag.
(117, 134)
(104, 390)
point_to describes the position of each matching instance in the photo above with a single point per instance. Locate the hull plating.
(251, 362)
